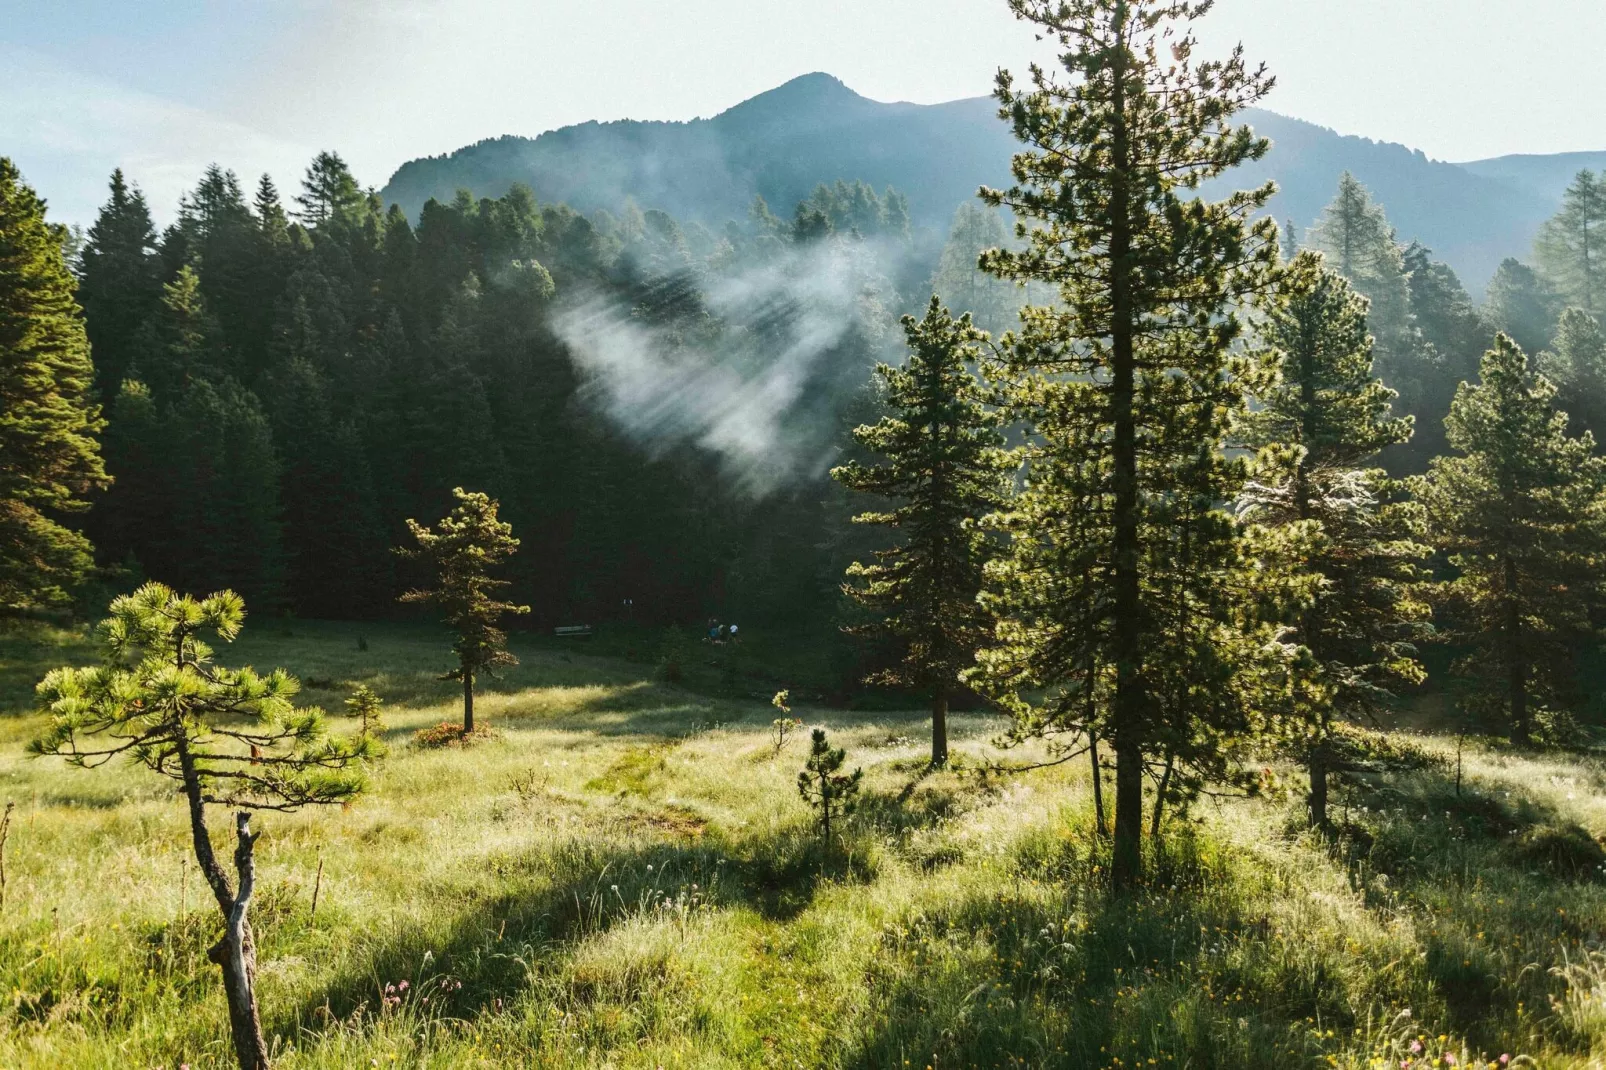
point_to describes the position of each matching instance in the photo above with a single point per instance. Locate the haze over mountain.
(814, 129)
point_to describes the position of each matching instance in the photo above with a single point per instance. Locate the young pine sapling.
(825, 788)
(365, 705)
(230, 737)
(785, 724)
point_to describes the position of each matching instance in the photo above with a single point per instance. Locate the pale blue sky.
(162, 87)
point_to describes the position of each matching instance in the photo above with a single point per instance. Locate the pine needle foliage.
(943, 469)
(1518, 510)
(824, 787)
(461, 551)
(49, 456)
(1121, 597)
(229, 737)
(1346, 529)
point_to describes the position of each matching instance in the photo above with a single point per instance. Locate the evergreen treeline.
(286, 383)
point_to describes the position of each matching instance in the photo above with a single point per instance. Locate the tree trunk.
(1127, 861)
(1318, 786)
(1126, 864)
(1098, 782)
(468, 701)
(1516, 667)
(236, 955)
(1159, 797)
(825, 809)
(939, 726)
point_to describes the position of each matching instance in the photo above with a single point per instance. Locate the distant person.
(733, 633)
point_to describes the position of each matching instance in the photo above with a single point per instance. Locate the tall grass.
(626, 878)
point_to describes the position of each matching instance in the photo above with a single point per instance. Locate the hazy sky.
(166, 86)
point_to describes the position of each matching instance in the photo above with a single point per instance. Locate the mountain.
(779, 144)
(814, 129)
(1547, 176)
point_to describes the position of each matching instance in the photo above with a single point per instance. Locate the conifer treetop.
(160, 699)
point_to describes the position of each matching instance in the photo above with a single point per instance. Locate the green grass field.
(627, 878)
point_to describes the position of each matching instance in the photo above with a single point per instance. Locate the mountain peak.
(806, 99)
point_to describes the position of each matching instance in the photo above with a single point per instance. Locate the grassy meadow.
(624, 876)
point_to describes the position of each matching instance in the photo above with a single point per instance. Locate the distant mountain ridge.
(782, 143)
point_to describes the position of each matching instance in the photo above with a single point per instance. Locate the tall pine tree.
(1356, 542)
(49, 456)
(1128, 385)
(1518, 510)
(944, 468)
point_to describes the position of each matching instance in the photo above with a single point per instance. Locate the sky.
(163, 88)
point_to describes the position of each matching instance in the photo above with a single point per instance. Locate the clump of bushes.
(452, 734)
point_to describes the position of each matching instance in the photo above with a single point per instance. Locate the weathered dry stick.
(5, 831)
(316, 884)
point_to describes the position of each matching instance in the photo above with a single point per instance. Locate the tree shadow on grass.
(548, 902)
(1050, 969)
(1505, 887)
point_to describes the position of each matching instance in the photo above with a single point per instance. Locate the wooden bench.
(573, 631)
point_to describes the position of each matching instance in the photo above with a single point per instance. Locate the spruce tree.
(1518, 511)
(229, 737)
(466, 545)
(122, 282)
(943, 469)
(1571, 247)
(1128, 384)
(1319, 428)
(49, 456)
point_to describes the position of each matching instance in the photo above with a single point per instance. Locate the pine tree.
(49, 456)
(1571, 247)
(829, 792)
(468, 543)
(1576, 363)
(122, 282)
(1518, 510)
(944, 469)
(1522, 304)
(1127, 384)
(229, 737)
(1357, 542)
(1359, 243)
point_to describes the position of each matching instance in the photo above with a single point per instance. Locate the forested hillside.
(814, 129)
